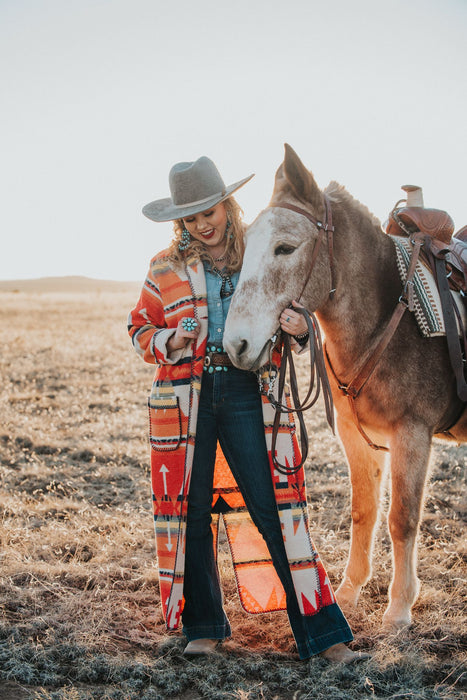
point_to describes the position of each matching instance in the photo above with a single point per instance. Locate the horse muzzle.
(244, 354)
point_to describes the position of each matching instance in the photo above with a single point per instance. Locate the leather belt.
(218, 359)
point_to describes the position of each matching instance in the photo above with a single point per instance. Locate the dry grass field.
(78, 590)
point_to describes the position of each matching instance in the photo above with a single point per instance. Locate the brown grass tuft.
(79, 591)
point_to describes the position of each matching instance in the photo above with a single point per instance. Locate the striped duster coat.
(169, 294)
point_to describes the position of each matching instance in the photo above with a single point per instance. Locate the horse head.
(279, 252)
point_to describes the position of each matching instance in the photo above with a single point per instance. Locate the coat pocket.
(165, 423)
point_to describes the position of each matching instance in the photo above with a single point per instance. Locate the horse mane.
(338, 193)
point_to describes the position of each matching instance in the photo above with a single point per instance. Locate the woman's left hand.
(293, 322)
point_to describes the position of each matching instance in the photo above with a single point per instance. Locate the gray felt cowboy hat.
(194, 187)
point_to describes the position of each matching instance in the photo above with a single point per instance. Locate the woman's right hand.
(182, 337)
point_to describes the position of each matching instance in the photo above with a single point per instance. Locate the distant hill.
(72, 284)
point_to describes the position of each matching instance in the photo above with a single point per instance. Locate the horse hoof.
(347, 597)
(395, 624)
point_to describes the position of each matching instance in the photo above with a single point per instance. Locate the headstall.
(325, 228)
(317, 365)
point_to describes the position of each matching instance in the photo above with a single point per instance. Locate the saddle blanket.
(427, 303)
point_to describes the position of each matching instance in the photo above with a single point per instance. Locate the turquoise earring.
(185, 240)
(229, 225)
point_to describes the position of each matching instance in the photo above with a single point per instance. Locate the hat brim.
(166, 210)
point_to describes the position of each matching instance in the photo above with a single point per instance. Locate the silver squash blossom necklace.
(227, 288)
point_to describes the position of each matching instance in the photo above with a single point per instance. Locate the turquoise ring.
(189, 324)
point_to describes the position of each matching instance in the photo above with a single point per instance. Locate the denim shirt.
(217, 307)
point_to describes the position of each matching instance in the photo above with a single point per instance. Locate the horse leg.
(410, 452)
(366, 472)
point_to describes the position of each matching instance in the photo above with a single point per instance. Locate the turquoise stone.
(189, 324)
(211, 369)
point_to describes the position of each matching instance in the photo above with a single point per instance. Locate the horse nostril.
(242, 347)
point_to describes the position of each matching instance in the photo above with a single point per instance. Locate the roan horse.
(411, 393)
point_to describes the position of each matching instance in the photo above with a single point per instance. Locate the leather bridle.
(353, 388)
(317, 364)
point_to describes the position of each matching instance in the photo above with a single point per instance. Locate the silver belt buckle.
(207, 360)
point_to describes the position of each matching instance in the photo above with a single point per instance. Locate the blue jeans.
(230, 411)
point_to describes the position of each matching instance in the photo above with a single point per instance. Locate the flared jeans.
(230, 411)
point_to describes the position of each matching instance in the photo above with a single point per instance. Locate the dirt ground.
(79, 596)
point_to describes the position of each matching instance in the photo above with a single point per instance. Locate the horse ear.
(300, 179)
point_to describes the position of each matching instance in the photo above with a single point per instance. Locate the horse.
(352, 285)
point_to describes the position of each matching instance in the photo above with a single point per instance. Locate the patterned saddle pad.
(427, 304)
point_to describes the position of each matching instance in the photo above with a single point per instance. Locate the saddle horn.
(414, 195)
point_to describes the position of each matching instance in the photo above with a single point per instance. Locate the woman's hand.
(293, 322)
(182, 336)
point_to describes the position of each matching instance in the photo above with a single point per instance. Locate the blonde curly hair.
(235, 244)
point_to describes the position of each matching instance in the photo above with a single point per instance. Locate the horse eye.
(284, 249)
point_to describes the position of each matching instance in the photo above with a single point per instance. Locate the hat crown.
(195, 181)
(194, 187)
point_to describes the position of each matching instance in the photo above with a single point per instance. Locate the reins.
(318, 373)
(316, 354)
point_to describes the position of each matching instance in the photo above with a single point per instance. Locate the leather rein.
(317, 364)
(353, 388)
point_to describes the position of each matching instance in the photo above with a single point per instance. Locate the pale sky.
(101, 97)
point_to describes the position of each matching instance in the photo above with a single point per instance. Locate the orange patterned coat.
(168, 295)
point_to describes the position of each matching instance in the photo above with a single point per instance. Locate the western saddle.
(431, 232)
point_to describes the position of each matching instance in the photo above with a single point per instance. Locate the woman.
(210, 437)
